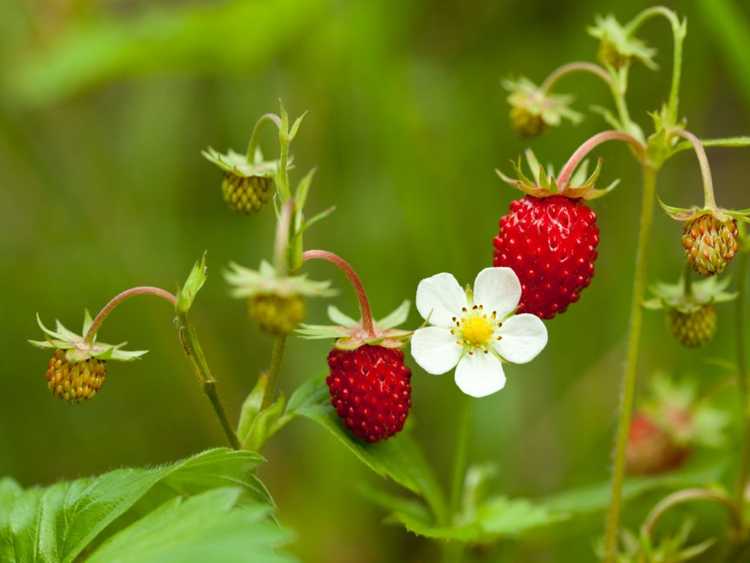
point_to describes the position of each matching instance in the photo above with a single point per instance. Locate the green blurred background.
(104, 109)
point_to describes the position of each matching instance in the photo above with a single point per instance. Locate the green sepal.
(703, 292)
(524, 95)
(350, 334)
(195, 281)
(543, 182)
(77, 349)
(608, 29)
(237, 164)
(246, 283)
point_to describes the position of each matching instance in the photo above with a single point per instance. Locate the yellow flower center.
(476, 330)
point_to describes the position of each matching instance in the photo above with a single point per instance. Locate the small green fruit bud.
(526, 123)
(77, 381)
(277, 314)
(693, 329)
(609, 54)
(246, 194)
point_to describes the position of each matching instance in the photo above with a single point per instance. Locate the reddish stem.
(344, 266)
(119, 298)
(558, 73)
(567, 171)
(700, 153)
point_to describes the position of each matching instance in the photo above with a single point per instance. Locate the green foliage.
(208, 503)
(399, 458)
(195, 281)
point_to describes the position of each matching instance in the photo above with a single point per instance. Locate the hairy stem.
(351, 274)
(742, 383)
(581, 152)
(194, 352)
(569, 68)
(700, 153)
(630, 375)
(689, 495)
(678, 34)
(123, 296)
(277, 356)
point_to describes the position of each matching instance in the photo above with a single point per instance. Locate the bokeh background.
(104, 109)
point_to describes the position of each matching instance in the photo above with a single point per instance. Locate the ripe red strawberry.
(652, 449)
(550, 242)
(370, 390)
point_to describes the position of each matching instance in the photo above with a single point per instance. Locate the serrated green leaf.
(212, 526)
(59, 522)
(195, 281)
(398, 458)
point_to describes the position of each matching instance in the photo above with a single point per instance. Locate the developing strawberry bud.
(691, 311)
(77, 369)
(532, 109)
(277, 314)
(617, 46)
(75, 381)
(275, 302)
(247, 185)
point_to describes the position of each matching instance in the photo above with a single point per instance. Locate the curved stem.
(344, 266)
(569, 68)
(700, 153)
(630, 375)
(569, 168)
(616, 87)
(689, 495)
(742, 382)
(119, 298)
(281, 243)
(253, 143)
(678, 34)
(194, 352)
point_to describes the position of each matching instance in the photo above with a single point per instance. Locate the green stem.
(630, 375)
(253, 143)
(742, 382)
(277, 356)
(194, 352)
(689, 495)
(453, 552)
(678, 34)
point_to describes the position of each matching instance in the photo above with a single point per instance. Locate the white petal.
(440, 298)
(480, 374)
(522, 338)
(435, 349)
(497, 289)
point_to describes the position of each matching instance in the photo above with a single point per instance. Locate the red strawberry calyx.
(543, 182)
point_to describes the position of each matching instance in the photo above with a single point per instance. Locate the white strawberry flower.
(475, 331)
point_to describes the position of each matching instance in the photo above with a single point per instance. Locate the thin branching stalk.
(194, 352)
(566, 173)
(351, 274)
(253, 143)
(689, 495)
(700, 153)
(123, 296)
(678, 34)
(630, 375)
(274, 370)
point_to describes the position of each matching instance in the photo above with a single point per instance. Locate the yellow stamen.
(476, 330)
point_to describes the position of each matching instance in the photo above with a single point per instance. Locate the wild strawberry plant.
(212, 506)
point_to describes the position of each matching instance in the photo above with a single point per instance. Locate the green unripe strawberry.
(695, 328)
(75, 381)
(246, 194)
(277, 314)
